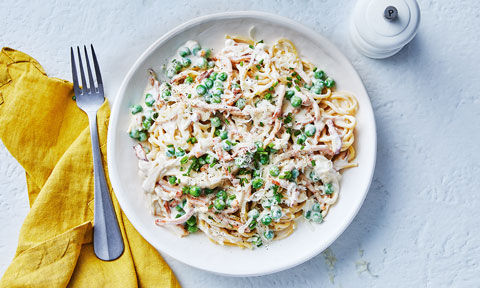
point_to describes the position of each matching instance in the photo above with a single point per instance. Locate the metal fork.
(107, 239)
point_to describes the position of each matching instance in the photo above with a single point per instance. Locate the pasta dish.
(240, 143)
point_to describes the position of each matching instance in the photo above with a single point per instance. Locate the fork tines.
(76, 85)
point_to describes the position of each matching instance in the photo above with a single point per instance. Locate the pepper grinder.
(380, 28)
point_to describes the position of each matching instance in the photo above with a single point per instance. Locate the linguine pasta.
(241, 143)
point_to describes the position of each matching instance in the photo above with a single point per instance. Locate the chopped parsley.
(288, 118)
(192, 140)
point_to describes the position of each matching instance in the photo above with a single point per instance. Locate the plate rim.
(276, 19)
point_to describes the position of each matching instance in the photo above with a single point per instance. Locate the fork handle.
(107, 239)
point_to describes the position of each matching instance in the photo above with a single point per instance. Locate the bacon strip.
(204, 75)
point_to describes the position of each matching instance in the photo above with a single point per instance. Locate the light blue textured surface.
(418, 227)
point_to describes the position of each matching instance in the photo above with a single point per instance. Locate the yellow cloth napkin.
(48, 134)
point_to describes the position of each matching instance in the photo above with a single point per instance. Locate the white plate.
(196, 250)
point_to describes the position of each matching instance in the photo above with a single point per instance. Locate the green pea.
(258, 241)
(316, 207)
(142, 136)
(134, 134)
(296, 101)
(268, 234)
(319, 74)
(307, 214)
(202, 63)
(274, 171)
(146, 124)
(213, 76)
(192, 229)
(149, 100)
(219, 204)
(310, 130)
(201, 90)
(224, 135)
(222, 194)
(166, 94)
(222, 76)
(318, 83)
(178, 66)
(172, 179)
(184, 51)
(317, 90)
(218, 84)
(295, 174)
(195, 191)
(328, 188)
(207, 97)
(216, 122)
(317, 217)
(136, 109)
(257, 182)
(150, 114)
(196, 48)
(329, 82)
(267, 203)
(211, 64)
(314, 177)
(276, 213)
(240, 103)
(253, 213)
(216, 99)
(266, 220)
(208, 83)
(189, 80)
(218, 92)
(289, 94)
(226, 146)
(192, 221)
(186, 62)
